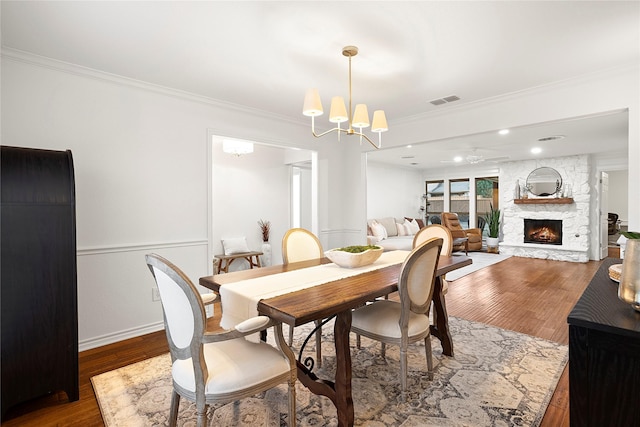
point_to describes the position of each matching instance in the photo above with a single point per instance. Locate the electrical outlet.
(155, 294)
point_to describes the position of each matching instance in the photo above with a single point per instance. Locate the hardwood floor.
(526, 295)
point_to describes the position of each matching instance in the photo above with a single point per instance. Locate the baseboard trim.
(119, 336)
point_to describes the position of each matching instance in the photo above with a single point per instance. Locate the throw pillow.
(379, 232)
(412, 226)
(235, 245)
(418, 220)
(402, 229)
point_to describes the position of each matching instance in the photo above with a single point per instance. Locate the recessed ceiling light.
(503, 131)
(536, 150)
(408, 146)
(457, 159)
(550, 138)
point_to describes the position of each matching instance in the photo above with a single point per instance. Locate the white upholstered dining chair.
(407, 321)
(299, 244)
(216, 367)
(436, 230)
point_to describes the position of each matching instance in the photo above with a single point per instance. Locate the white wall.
(393, 192)
(140, 157)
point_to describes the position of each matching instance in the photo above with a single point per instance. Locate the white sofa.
(396, 234)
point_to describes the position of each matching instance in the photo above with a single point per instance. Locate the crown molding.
(535, 90)
(24, 57)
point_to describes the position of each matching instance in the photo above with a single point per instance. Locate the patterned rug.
(497, 378)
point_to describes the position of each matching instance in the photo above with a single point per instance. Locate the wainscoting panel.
(115, 289)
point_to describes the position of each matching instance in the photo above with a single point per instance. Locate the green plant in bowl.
(354, 256)
(356, 249)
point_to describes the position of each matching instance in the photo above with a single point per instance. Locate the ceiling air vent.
(550, 138)
(445, 100)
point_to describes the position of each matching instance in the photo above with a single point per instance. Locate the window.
(435, 201)
(459, 200)
(486, 195)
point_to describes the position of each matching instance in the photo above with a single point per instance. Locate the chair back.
(299, 244)
(435, 230)
(417, 279)
(451, 221)
(183, 310)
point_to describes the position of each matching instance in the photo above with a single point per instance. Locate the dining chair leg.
(403, 369)
(292, 403)
(202, 416)
(173, 412)
(383, 351)
(429, 355)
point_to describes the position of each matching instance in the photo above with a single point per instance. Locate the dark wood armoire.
(39, 317)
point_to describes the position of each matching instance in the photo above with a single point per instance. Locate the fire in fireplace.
(545, 231)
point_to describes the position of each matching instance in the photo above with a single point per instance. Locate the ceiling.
(263, 55)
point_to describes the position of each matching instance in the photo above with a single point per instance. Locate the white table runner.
(240, 299)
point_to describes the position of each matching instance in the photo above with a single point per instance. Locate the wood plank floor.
(526, 295)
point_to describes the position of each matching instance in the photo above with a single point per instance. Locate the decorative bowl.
(354, 259)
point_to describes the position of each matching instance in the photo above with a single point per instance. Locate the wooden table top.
(319, 302)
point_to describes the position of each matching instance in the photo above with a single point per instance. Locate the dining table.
(337, 297)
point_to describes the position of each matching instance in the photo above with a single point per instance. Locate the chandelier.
(237, 147)
(338, 113)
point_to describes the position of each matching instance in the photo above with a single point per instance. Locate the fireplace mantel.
(549, 201)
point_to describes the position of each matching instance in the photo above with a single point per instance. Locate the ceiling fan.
(474, 158)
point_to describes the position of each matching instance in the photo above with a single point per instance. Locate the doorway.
(271, 183)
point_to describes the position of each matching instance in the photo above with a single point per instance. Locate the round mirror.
(544, 182)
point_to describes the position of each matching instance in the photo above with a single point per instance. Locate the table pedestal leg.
(344, 400)
(441, 319)
(340, 391)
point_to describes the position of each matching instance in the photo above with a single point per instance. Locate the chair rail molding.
(97, 250)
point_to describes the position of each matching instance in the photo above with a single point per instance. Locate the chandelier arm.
(313, 132)
(367, 138)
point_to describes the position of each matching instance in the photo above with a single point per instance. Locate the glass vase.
(629, 287)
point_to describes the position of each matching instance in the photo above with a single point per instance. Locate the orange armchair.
(474, 235)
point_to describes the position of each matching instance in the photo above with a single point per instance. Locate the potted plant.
(493, 222)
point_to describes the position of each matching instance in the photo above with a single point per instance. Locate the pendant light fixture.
(339, 114)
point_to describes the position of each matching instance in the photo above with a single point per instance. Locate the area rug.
(480, 260)
(497, 378)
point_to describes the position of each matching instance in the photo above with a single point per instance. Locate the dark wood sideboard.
(604, 356)
(39, 313)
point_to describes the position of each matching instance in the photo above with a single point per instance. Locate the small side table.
(225, 261)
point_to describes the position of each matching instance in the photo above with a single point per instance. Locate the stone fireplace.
(543, 231)
(562, 228)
